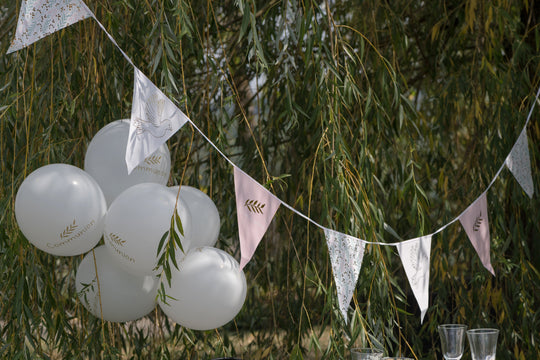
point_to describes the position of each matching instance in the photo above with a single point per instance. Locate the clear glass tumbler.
(452, 340)
(366, 354)
(483, 343)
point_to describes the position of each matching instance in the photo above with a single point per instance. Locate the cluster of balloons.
(65, 211)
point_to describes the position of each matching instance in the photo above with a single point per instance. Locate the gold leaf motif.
(68, 230)
(254, 206)
(153, 160)
(117, 239)
(478, 222)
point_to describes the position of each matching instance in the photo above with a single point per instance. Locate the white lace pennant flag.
(346, 254)
(415, 256)
(255, 209)
(519, 163)
(39, 18)
(154, 119)
(476, 224)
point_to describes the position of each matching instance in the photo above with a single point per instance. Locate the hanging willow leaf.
(162, 242)
(162, 295)
(176, 241)
(179, 223)
(342, 95)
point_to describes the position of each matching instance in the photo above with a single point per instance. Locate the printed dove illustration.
(154, 119)
(156, 125)
(157, 131)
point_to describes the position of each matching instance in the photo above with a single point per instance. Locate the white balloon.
(205, 221)
(60, 209)
(209, 289)
(124, 296)
(105, 160)
(136, 222)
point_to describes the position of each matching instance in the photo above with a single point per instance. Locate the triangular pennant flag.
(476, 224)
(346, 254)
(255, 208)
(519, 163)
(39, 18)
(415, 256)
(154, 119)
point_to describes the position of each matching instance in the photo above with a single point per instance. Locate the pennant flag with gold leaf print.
(415, 256)
(154, 119)
(39, 18)
(519, 163)
(255, 209)
(476, 224)
(346, 254)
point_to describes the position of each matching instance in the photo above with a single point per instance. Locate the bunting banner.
(415, 256)
(519, 163)
(154, 119)
(476, 224)
(39, 18)
(346, 254)
(255, 209)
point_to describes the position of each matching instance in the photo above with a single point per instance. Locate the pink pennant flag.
(346, 254)
(476, 224)
(519, 163)
(255, 208)
(39, 18)
(415, 256)
(154, 119)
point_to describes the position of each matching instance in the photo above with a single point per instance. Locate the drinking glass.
(397, 358)
(366, 354)
(483, 343)
(452, 340)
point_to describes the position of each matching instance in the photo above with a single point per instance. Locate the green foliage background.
(371, 117)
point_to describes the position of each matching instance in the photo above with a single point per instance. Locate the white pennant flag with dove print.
(476, 224)
(519, 163)
(346, 254)
(255, 209)
(39, 18)
(154, 119)
(415, 256)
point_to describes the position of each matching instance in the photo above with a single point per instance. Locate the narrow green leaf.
(173, 259)
(179, 223)
(162, 242)
(167, 271)
(178, 241)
